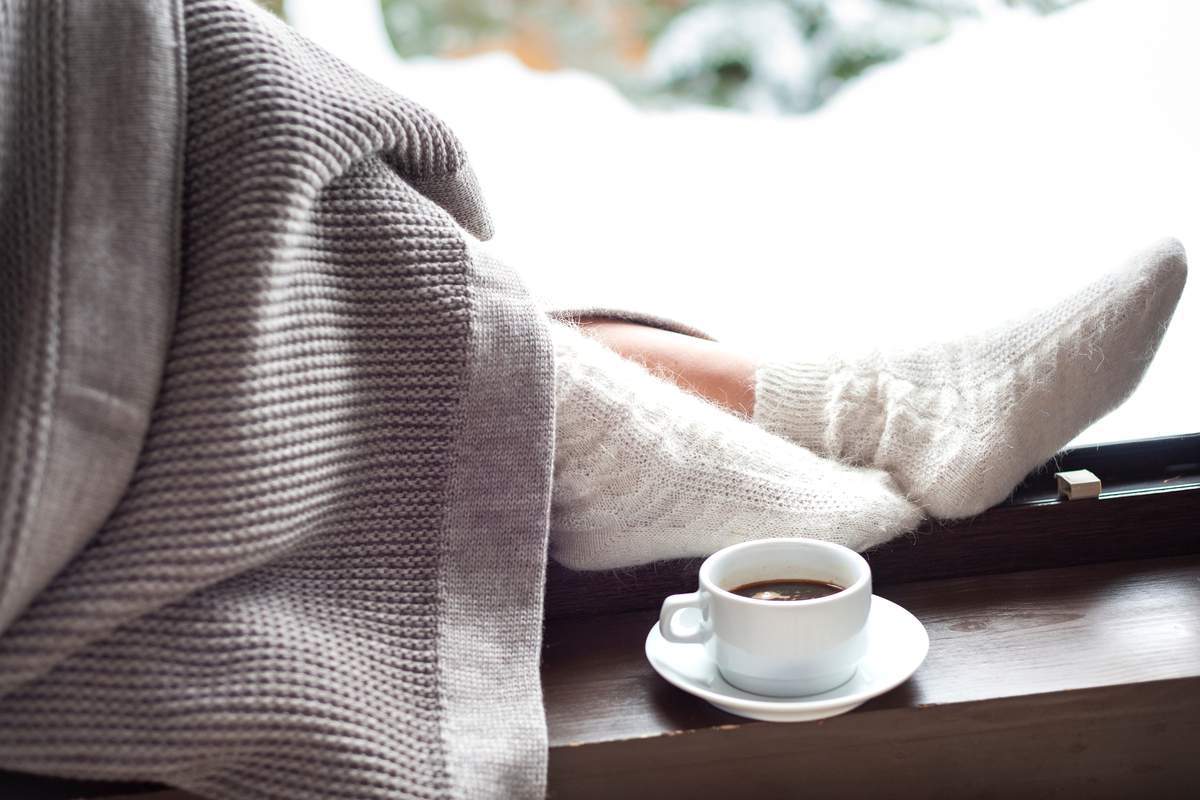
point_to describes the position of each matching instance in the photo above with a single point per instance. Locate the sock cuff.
(791, 400)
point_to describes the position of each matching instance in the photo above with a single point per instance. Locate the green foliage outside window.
(777, 55)
(763, 55)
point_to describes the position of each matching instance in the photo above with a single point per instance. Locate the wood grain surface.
(1081, 681)
(1126, 741)
(1077, 681)
(1021, 633)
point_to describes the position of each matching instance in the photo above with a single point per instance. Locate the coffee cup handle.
(666, 619)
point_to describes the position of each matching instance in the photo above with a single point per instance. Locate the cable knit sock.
(960, 424)
(645, 471)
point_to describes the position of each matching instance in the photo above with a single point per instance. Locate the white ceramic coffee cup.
(781, 648)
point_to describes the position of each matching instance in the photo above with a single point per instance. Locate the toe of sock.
(1159, 275)
(1164, 265)
(877, 509)
(1149, 286)
(1170, 251)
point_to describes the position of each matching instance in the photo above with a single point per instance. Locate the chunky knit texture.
(959, 424)
(645, 471)
(324, 578)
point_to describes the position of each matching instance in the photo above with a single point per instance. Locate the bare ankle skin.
(709, 369)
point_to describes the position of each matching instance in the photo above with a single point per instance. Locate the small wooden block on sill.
(1078, 484)
(1083, 681)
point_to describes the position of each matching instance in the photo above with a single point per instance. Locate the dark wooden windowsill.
(1073, 682)
(1064, 660)
(1036, 683)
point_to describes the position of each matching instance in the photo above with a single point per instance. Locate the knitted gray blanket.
(275, 440)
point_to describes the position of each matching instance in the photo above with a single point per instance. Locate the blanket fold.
(277, 439)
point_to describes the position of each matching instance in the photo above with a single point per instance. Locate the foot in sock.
(645, 471)
(959, 424)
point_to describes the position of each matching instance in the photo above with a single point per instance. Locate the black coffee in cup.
(787, 589)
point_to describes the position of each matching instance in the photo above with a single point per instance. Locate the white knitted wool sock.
(960, 424)
(645, 471)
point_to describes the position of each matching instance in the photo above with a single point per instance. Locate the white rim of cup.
(711, 585)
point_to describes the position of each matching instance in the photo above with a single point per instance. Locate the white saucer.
(896, 646)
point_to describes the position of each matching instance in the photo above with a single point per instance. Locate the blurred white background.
(965, 183)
